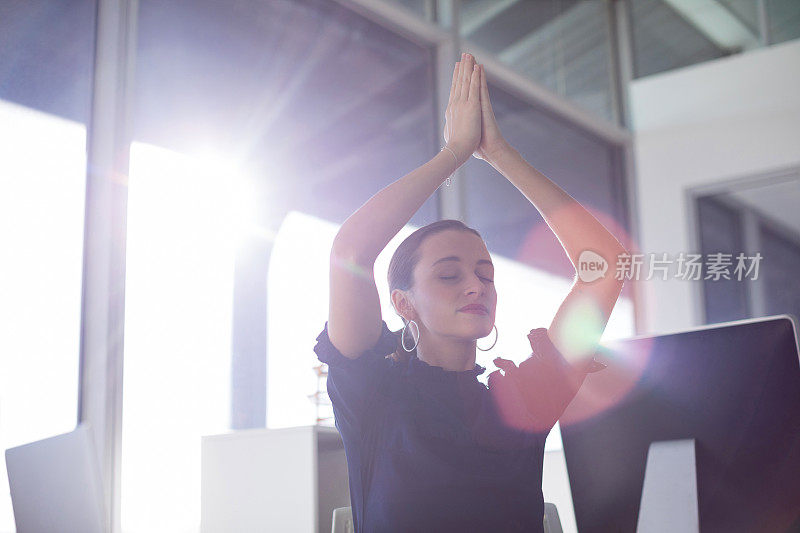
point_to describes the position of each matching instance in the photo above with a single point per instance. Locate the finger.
(453, 83)
(459, 76)
(474, 84)
(485, 90)
(466, 71)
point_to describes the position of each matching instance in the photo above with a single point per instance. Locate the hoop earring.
(496, 334)
(403, 336)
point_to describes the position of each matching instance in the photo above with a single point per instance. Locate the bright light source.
(178, 322)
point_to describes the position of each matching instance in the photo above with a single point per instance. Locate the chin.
(481, 325)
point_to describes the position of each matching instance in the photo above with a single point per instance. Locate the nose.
(475, 284)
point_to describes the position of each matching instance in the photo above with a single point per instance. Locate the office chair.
(343, 520)
(552, 522)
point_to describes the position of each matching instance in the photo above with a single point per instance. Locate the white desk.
(286, 479)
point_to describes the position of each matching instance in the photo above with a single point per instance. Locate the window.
(45, 80)
(183, 229)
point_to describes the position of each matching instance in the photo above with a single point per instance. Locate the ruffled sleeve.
(533, 396)
(353, 383)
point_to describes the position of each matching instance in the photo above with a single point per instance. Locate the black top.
(430, 449)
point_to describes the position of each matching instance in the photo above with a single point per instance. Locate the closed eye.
(454, 277)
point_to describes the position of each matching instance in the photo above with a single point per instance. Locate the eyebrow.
(456, 258)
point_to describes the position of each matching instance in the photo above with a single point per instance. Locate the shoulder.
(381, 350)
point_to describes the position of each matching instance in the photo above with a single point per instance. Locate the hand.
(462, 129)
(492, 141)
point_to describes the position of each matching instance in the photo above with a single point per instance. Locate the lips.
(473, 308)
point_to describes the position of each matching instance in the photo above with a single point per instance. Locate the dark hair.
(403, 262)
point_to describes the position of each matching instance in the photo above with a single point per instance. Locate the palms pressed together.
(470, 124)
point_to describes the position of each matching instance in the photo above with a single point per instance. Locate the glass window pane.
(47, 55)
(182, 232)
(721, 232)
(561, 45)
(781, 263)
(422, 8)
(756, 218)
(784, 20)
(746, 11)
(45, 85)
(663, 39)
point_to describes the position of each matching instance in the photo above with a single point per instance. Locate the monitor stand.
(669, 495)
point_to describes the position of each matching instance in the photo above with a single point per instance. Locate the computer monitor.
(56, 484)
(733, 387)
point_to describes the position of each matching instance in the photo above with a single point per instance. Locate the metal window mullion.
(622, 76)
(763, 22)
(450, 198)
(105, 226)
(751, 241)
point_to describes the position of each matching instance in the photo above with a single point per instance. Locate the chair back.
(342, 520)
(552, 523)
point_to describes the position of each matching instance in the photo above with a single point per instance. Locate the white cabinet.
(288, 479)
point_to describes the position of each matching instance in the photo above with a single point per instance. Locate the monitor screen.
(733, 387)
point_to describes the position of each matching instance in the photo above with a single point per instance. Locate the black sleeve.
(353, 383)
(543, 385)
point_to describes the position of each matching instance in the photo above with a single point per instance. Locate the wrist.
(500, 156)
(462, 154)
(499, 152)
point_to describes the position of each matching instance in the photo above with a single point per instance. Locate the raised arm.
(354, 322)
(584, 313)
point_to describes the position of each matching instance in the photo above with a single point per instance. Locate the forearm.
(576, 229)
(369, 229)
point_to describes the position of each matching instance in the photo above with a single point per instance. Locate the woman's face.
(443, 285)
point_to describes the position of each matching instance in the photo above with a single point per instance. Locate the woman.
(428, 446)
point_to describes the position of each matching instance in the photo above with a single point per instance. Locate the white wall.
(715, 121)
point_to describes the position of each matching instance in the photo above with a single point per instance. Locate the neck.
(447, 353)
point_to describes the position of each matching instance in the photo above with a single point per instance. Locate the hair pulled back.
(401, 270)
